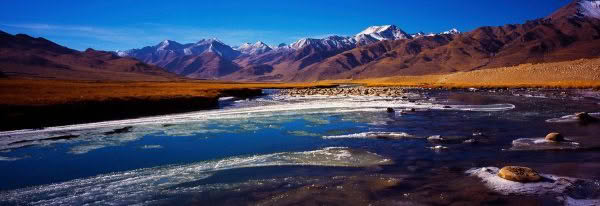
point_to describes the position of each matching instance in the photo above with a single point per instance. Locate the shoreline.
(17, 117)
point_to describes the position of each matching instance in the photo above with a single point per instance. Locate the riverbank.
(583, 73)
(34, 103)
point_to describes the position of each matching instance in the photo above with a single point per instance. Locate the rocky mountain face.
(570, 33)
(24, 56)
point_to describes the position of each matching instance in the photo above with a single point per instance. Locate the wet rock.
(519, 174)
(584, 117)
(390, 110)
(555, 137)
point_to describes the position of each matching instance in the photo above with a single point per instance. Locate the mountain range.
(572, 32)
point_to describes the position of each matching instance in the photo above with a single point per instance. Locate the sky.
(126, 24)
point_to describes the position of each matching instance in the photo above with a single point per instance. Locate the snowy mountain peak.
(168, 45)
(452, 31)
(302, 43)
(210, 41)
(254, 49)
(260, 43)
(376, 29)
(421, 34)
(385, 32)
(590, 8)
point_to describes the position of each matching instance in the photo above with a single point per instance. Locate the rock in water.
(584, 117)
(555, 137)
(519, 174)
(390, 110)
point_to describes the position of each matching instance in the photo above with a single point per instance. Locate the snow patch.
(590, 8)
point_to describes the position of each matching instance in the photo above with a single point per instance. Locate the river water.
(317, 150)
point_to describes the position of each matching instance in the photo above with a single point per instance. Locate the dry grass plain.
(583, 73)
(43, 92)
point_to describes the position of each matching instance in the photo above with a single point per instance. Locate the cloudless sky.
(125, 24)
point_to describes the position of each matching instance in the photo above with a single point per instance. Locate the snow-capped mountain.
(385, 32)
(451, 31)
(254, 49)
(370, 35)
(330, 42)
(421, 34)
(378, 33)
(168, 49)
(211, 45)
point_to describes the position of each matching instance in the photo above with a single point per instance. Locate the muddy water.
(314, 150)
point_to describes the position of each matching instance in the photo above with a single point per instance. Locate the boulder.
(519, 174)
(584, 117)
(555, 137)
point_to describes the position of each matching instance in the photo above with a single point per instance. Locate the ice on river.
(142, 185)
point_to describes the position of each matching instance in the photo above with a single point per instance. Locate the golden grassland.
(583, 73)
(44, 92)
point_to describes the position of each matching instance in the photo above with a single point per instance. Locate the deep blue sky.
(125, 24)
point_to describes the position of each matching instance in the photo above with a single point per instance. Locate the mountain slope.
(565, 35)
(207, 65)
(25, 56)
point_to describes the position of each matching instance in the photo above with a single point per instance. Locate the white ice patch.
(141, 185)
(570, 118)
(550, 185)
(386, 135)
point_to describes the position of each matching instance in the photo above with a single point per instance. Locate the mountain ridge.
(25, 56)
